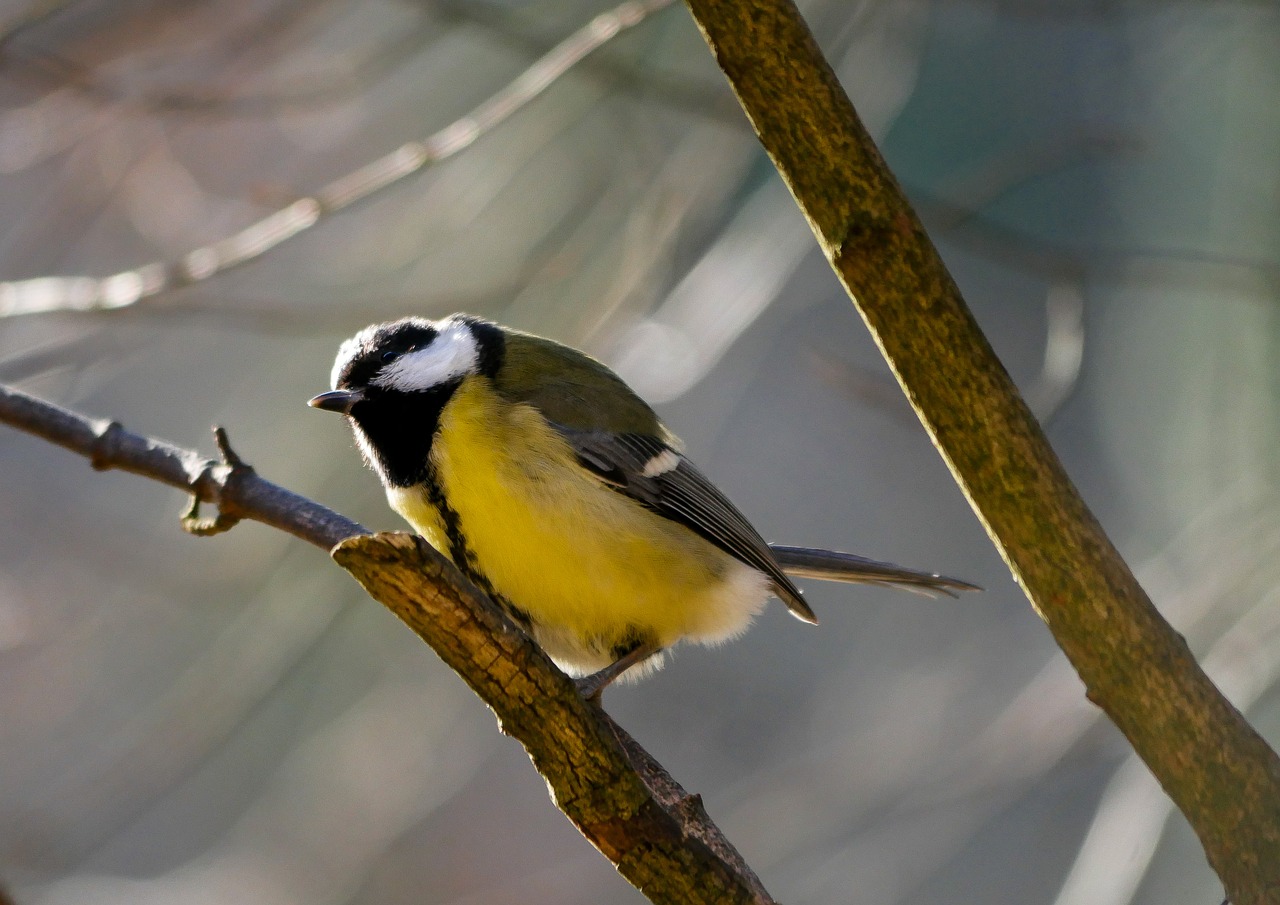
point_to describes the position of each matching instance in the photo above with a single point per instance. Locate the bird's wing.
(655, 474)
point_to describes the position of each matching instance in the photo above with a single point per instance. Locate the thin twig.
(122, 290)
(335, 84)
(674, 92)
(233, 489)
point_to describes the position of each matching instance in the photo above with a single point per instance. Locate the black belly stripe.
(462, 554)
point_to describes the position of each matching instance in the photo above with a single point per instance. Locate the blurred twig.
(336, 83)
(121, 290)
(18, 21)
(658, 836)
(675, 93)
(1210, 761)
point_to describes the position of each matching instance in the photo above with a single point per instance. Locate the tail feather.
(830, 565)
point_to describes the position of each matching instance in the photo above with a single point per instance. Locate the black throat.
(400, 428)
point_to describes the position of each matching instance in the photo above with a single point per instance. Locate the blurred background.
(231, 720)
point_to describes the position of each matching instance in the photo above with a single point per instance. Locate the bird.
(557, 490)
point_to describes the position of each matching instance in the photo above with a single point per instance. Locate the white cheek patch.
(452, 354)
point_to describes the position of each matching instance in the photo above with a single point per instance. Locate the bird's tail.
(830, 565)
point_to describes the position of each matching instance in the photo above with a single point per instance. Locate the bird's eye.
(389, 356)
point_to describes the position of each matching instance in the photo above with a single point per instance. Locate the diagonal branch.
(619, 797)
(1211, 762)
(657, 836)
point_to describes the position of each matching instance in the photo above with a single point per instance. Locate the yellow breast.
(592, 569)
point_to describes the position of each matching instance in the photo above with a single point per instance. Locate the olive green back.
(572, 388)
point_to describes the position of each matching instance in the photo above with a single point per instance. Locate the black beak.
(340, 401)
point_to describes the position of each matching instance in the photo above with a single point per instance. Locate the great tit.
(555, 488)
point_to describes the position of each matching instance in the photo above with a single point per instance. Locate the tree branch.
(629, 808)
(619, 797)
(1215, 767)
(236, 492)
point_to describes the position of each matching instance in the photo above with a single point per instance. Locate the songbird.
(556, 489)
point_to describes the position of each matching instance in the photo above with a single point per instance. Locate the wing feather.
(656, 475)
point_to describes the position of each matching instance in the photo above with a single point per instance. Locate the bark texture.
(627, 806)
(1210, 761)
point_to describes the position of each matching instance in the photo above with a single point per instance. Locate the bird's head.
(392, 380)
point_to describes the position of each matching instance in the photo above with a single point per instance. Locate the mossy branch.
(1214, 766)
